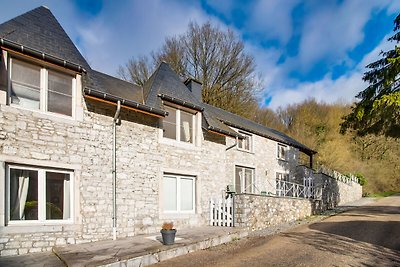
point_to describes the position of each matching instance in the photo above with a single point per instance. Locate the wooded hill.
(317, 125)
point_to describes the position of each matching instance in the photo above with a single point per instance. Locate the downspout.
(114, 169)
(235, 144)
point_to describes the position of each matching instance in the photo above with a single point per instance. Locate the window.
(36, 194)
(246, 143)
(179, 125)
(282, 152)
(282, 176)
(244, 179)
(39, 88)
(179, 193)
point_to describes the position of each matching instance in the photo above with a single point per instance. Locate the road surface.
(365, 236)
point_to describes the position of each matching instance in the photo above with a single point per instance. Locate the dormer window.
(179, 125)
(246, 143)
(40, 88)
(282, 152)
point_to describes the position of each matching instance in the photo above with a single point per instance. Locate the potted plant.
(168, 233)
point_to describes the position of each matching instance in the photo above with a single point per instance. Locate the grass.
(382, 194)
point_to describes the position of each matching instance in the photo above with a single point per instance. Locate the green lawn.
(382, 194)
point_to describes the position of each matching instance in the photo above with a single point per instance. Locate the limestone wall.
(85, 148)
(336, 191)
(256, 212)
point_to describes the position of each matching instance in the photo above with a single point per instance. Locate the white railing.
(289, 189)
(221, 212)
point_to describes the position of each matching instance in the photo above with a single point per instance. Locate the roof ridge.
(39, 29)
(113, 77)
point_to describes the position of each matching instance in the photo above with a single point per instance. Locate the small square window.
(282, 152)
(179, 125)
(246, 143)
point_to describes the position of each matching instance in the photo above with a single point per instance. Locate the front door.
(244, 179)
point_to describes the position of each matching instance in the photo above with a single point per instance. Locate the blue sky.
(302, 49)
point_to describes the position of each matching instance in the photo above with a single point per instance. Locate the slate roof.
(40, 30)
(164, 81)
(111, 85)
(253, 127)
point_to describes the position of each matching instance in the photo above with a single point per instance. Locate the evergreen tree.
(378, 112)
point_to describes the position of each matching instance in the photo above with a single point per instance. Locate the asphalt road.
(364, 236)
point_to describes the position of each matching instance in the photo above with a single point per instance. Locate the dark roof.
(111, 85)
(253, 127)
(165, 81)
(40, 30)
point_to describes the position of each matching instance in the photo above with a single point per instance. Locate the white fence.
(289, 189)
(221, 212)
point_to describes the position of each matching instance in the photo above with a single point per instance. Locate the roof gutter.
(40, 55)
(181, 102)
(303, 149)
(125, 102)
(223, 132)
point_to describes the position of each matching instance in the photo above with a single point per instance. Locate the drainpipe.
(235, 144)
(114, 169)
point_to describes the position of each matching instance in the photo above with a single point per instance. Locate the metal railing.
(289, 189)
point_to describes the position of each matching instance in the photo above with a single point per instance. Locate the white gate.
(221, 212)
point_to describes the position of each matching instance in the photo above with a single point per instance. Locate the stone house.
(67, 132)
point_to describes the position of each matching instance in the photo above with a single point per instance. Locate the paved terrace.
(139, 250)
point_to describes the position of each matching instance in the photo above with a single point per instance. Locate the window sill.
(172, 142)
(41, 114)
(244, 150)
(39, 227)
(176, 215)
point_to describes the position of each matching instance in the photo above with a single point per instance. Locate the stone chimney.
(195, 87)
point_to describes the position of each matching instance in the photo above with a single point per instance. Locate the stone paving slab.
(41, 259)
(144, 250)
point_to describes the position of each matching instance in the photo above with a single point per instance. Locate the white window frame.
(178, 193)
(178, 125)
(282, 175)
(243, 181)
(41, 196)
(285, 149)
(44, 79)
(250, 136)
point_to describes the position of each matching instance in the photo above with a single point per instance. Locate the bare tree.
(214, 57)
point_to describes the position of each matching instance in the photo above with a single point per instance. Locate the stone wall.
(259, 211)
(256, 212)
(85, 147)
(337, 192)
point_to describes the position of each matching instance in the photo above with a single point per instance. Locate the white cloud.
(333, 30)
(328, 90)
(272, 19)
(133, 28)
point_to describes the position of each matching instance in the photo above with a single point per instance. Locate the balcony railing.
(289, 189)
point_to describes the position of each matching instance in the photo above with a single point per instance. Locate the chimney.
(195, 87)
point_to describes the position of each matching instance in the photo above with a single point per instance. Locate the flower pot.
(168, 236)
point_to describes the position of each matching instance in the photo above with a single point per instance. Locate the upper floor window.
(179, 125)
(246, 143)
(39, 88)
(282, 152)
(37, 194)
